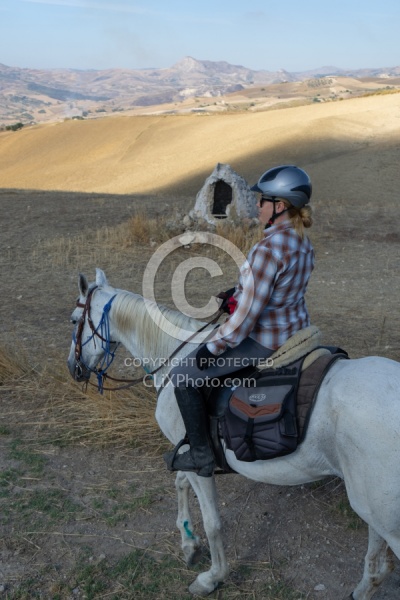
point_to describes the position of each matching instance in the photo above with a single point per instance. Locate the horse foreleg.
(205, 490)
(378, 564)
(190, 542)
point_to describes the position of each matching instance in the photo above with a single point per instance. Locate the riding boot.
(199, 457)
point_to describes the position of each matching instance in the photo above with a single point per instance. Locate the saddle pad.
(310, 382)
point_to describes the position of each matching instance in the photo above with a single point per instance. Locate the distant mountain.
(32, 95)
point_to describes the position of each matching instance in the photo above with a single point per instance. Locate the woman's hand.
(228, 303)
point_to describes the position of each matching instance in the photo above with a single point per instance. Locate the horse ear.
(83, 285)
(101, 279)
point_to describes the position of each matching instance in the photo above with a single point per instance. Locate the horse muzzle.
(79, 372)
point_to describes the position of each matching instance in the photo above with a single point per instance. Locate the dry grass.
(137, 237)
(54, 408)
(381, 92)
(13, 366)
(97, 246)
(242, 235)
(139, 229)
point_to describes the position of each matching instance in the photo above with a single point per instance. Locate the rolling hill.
(34, 96)
(168, 154)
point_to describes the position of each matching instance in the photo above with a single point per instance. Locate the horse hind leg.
(377, 565)
(190, 542)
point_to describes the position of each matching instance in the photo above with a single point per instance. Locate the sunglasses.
(264, 199)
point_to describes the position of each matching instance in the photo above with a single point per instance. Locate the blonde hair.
(300, 217)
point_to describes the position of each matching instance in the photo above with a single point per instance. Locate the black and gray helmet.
(288, 182)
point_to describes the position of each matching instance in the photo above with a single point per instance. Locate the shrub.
(14, 127)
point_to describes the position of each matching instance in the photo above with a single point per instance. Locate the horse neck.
(149, 331)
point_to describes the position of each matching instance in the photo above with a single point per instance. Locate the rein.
(131, 382)
(101, 374)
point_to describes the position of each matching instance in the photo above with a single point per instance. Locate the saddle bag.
(260, 422)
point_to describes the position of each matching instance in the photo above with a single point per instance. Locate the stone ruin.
(224, 195)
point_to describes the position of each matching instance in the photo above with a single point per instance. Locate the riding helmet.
(288, 182)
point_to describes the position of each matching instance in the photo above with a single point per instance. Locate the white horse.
(354, 432)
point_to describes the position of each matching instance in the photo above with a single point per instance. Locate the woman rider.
(270, 306)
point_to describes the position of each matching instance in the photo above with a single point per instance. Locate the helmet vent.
(303, 188)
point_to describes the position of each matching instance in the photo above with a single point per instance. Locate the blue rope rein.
(103, 332)
(108, 356)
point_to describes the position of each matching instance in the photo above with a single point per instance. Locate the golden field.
(174, 154)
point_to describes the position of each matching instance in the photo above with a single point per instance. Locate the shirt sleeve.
(257, 283)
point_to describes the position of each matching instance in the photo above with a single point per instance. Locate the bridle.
(102, 332)
(104, 336)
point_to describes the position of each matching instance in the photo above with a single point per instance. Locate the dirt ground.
(303, 540)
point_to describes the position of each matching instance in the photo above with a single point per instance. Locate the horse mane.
(157, 335)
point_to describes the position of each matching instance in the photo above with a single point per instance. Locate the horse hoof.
(198, 589)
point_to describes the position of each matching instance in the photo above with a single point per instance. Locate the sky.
(257, 34)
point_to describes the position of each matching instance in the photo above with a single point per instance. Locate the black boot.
(200, 457)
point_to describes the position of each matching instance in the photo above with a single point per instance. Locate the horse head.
(92, 349)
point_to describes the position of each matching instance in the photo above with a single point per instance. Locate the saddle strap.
(310, 382)
(219, 454)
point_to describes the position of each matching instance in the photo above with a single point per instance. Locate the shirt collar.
(277, 228)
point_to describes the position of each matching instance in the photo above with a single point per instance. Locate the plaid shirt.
(270, 293)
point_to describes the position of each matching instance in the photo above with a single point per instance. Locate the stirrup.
(170, 462)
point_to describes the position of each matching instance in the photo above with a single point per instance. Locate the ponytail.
(301, 218)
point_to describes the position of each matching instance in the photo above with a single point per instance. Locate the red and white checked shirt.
(270, 293)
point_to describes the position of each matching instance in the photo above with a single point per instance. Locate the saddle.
(267, 415)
